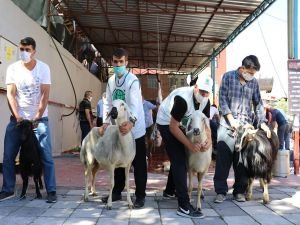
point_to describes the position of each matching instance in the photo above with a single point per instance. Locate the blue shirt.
(100, 108)
(278, 116)
(148, 106)
(237, 98)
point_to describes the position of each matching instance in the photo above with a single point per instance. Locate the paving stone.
(284, 208)
(6, 210)
(144, 213)
(168, 204)
(38, 203)
(257, 210)
(28, 212)
(57, 213)
(231, 211)
(146, 220)
(80, 221)
(87, 213)
(209, 212)
(14, 220)
(294, 218)
(66, 204)
(176, 221)
(240, 220)
(113, 221)
(119, 213)
(209, 221)
(48, 221)
(266, 219)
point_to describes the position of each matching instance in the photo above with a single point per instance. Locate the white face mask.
(200, 99)
(247, 76)
(25, 56)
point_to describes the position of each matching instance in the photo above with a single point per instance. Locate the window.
(152, 81)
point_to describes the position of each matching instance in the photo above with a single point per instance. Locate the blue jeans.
(12, 143)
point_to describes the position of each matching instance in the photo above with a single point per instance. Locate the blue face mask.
(119, 70)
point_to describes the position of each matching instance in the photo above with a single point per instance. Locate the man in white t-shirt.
(28, 86)
(174, 113)
(126, 86)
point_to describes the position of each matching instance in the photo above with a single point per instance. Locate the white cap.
(204, 83)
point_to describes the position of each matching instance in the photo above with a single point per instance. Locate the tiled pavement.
(284, 208)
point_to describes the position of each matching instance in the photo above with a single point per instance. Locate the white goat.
(198, 162)
(110, 151)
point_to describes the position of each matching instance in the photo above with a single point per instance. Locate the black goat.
(257, 153)
(30, 159)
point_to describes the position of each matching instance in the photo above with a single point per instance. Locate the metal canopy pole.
(293, 54)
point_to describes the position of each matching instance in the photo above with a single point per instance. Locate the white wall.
(15, 25)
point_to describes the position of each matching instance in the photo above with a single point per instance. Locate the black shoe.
(139, 203)
(114, 197)
(51, 197)
(189, 212)
(168, 195)
(6, 195)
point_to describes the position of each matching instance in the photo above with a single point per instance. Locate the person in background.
(214, 121)
(94, 68)
(173, 113)
(28, 86)
(125, 85)
(85, 114)
(277, 118)
(99, 110)
(239, 91)
(148, 107)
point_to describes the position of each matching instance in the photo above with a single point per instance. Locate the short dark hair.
(119, 52)
(87, 94)
(251, 62)
(28, 41)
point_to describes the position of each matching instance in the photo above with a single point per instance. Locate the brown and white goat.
(257, 153)
(110, 151)
(197, 127)
(30, 159)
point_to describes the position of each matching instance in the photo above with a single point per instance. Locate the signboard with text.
(294, 86)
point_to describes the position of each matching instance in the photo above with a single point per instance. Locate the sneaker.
(6, 195)
(190, 212)
(115, 197)
(239, 197)
(168, 196)
(139, 203)
(220, 198)
(51, 197)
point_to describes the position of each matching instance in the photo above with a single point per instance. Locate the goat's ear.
(188, 124)
(206, 122)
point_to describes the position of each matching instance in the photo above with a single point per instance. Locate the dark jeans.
(140, 171)
(284, 136)
(99, 121)
(85, 129)
(226, 156)
(177, 178)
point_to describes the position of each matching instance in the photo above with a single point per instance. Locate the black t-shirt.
(83, 105)
(180, 108)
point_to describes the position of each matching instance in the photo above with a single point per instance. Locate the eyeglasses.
(25, 49)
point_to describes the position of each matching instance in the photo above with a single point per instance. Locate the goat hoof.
(93, 194)
(109, 207)
(130, 206)
(39, 196)
(266, 201)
